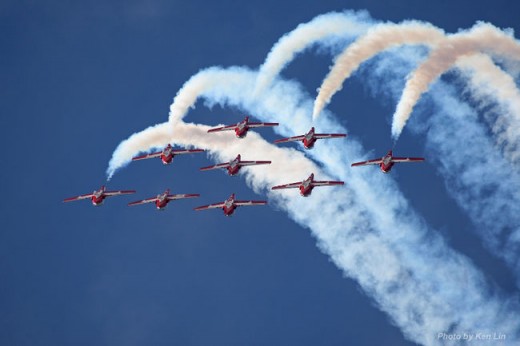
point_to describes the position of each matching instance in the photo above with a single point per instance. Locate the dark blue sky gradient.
(76, 79)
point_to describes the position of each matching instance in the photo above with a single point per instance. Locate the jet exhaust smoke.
(497, 210)
(378, 38)
(482, 37)
(329, 28)
(477, 176)
(497, 96)
(369, 229)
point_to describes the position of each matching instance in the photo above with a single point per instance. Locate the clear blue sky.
(78, 78)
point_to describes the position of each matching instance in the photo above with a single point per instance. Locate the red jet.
(307, 185)
(387, 162)
(242, 127)
(99, 196)
(310, 138)
(167, 154)
(230, 204)
(234, 165)
(162, 200)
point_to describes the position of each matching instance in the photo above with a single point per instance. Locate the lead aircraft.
(234, 165)
(162, 199)
(387, 162)
(310, 138)
(98, 196)
(230, 204)
(167, 154)
(242, 127)
(307, 185)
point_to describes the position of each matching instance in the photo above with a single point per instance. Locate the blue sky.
(77, 79)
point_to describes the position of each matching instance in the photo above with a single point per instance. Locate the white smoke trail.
(494, 82)
(144, 141)
(495, 214)
(378, 38)
(482, 37)
(368, 228)
(485, 78)
(479, 179)
(498, 97)
(330, 26)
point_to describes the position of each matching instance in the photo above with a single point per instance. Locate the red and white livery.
(167, 154)
(98, 196)
(307, 185)
(310, 138)
(162, 200)
(230, 204)
(242, 127)
(387, 162)
(233, 166)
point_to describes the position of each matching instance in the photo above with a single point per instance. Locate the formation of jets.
(233, 167)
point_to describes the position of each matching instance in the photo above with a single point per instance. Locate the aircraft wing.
(210, 206)
(329, 135)
(77, 198)
(252, 163)
(186, 151)
(147, 156)
(246, 203)
(290, 139)
(369, 162)
(143, 201)
(223, 128)
(407, 159)
(119, 192)
(180, 196)
(253, 125)
(327, 183)
(220, 165)
(287, 186)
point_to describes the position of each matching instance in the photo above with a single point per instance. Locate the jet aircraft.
(310, 138)
(161, 200)
(230, 204)
(98, 196)
(387, 162)
(242, 127)
(167, 154)
(233, 166)
(307, 185)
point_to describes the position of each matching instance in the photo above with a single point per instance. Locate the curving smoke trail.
(483, 37)
(498, 86)
(488, 191)
(328, 29)
(488, 84)
(476, 175)
(498, 98)
(378, 38)
(369, 229)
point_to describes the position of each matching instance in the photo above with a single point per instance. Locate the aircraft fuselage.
(309, 139)
(162, 201)
(234, 166)
(387, 163)
(229, 207)
(306, 187)
(98, 197)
